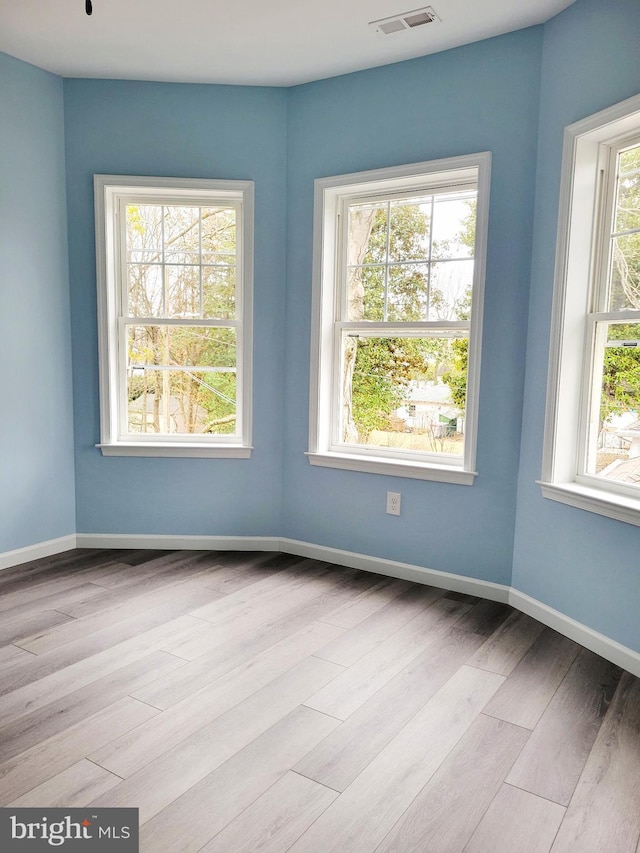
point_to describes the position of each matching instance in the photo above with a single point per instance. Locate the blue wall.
(482, 97)
(582, 564)
(184, 131)
(36, 426)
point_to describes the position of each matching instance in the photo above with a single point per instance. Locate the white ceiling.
(257, 42)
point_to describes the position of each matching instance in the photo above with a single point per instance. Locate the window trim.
(109, 190)
(568, 377)
(328, 194)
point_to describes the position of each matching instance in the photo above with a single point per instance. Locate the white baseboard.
(179, 543)
(600, 644)
(394, 569)
(568, 627)
(36, 552)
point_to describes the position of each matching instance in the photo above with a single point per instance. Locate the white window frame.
(585, 196)
(110, 192)
(330, 195)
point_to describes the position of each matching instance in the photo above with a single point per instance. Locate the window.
(174, 261)
(592, 436)
(398, 283)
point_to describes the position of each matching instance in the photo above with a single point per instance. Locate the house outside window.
(592, 435)
(174, 262)
(398, 292)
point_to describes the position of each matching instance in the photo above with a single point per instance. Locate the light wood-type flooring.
(247, 701)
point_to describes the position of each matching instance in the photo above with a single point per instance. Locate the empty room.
(320, 471)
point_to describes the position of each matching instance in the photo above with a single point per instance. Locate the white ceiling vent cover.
(405, 21)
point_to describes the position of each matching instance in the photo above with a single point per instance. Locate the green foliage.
(467, 235)
(407, 234)
(384, 367)
(456, 377)
(181, 264)
(383, 370)
(621, 367)
(621, 373)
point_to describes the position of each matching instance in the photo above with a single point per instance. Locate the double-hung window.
(592, 441)
(174, 262)
(397, 315)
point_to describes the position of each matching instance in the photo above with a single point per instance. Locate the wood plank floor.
(262, 702)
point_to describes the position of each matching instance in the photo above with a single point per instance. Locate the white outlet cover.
(393, 503)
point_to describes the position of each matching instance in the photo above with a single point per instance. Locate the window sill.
(219, 451)
(393, 468)
(619, 507)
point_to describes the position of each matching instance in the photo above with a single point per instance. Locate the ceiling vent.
(405, 21)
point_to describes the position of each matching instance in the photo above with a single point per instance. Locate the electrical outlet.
(393, 503)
